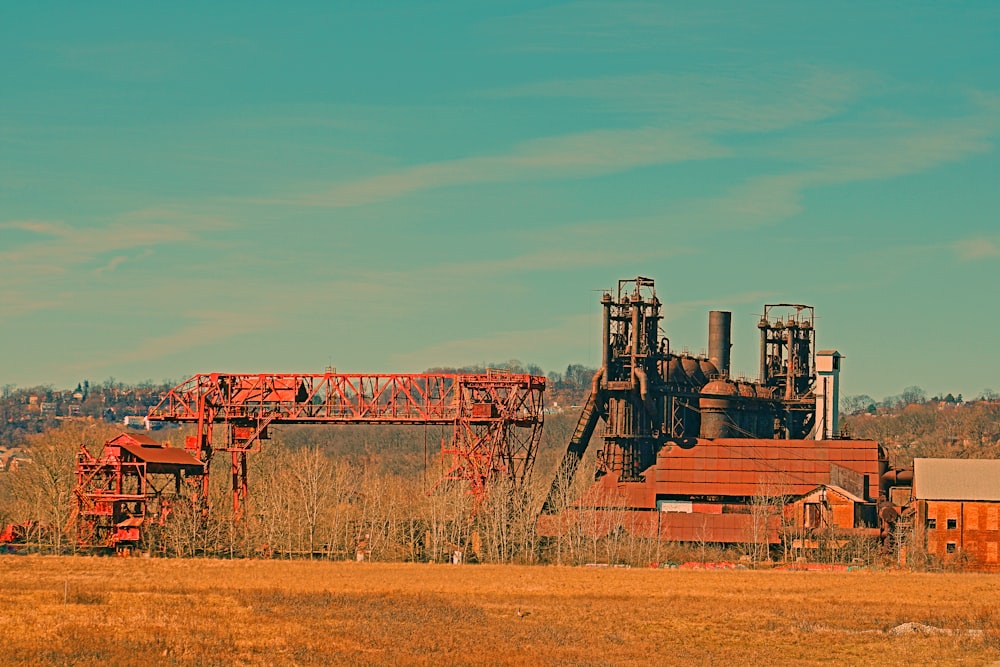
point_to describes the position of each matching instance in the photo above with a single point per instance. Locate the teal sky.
(387, 187)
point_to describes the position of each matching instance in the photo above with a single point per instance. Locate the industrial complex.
(684, 450)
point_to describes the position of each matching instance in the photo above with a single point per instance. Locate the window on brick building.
(952, 524)
(931, 524)
(950, 547)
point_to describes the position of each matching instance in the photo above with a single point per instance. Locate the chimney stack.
(719, 339)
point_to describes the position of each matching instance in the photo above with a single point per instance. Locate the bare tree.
(765, 510)
(313, 475)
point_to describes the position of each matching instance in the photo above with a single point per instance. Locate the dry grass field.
(108, 611)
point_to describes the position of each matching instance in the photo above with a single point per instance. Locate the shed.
(832, 508)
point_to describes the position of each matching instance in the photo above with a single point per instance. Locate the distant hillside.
(25, 411)
(934, 428)
(909, 424)
(28, 410)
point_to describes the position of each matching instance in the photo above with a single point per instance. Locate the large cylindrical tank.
(720, 339)
(716, 406)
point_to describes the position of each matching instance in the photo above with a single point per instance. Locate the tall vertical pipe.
(636, 337)
(719, 339)
(791, 370)
(765, 328)
(606, 326)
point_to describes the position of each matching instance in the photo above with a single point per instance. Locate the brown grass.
(202, 612)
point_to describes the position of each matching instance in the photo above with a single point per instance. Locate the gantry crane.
(496, 416)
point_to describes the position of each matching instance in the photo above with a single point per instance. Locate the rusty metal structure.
(495, 417)
(132, 482)
(687, 448)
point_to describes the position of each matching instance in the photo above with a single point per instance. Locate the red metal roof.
(159, 458)
(161, 454)
(138, 438)
(749, 467)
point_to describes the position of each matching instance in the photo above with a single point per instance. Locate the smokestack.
(827, 394)
(719, 339)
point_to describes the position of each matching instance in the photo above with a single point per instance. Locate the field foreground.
(140, 611)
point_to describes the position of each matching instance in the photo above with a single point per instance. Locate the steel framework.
(131, 482)
(496, 417)
(649, 397)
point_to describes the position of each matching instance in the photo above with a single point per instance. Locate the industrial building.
(695, 454)
(686, 452)
(956, 511)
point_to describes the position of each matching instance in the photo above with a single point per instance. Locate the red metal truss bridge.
(496, 417)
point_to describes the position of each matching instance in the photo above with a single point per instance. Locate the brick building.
(956, 505)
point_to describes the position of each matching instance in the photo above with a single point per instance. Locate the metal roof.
(159, 458)
(843, 493)
(748, 467)
(160, 454)
(956, 479)
(140, 438)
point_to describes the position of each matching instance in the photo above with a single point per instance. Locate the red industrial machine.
(129, 484)
(688, 448)
(496, 417)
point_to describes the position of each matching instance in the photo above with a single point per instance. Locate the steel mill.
(694, 454)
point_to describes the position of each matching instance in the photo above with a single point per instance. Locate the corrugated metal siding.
(721, 528)
(748, 467)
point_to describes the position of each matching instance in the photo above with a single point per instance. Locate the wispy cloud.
(16, 302)
(545, 259)
(118, 260)
(849, 154)
(204, 328)
(678, 309)
(569, 334)
(33, 270)
(977, 248)
(844, 153)
(40, 227)
(65, 246)
(733, 100)
(573, 156)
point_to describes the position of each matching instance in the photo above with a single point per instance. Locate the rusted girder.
(496, 416)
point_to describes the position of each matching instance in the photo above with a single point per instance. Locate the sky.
(394, 186)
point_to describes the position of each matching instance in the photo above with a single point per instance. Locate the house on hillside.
(956, 511)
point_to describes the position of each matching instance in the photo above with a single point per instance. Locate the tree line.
(341, 493)
(371, 492)
(932, 429)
